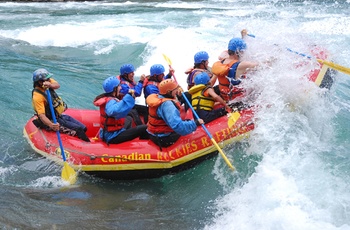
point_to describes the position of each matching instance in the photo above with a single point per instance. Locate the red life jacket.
(150, 82)
(131, 85)
(156, 124)
(109, 124)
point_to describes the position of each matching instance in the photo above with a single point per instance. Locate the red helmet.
(167, 86)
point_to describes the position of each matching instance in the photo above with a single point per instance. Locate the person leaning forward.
(204, 98)
(114, 113)
(165, 124)
(42, 80)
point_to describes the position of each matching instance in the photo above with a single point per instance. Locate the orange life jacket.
(227, 91)
(155, 123)
(109, 124)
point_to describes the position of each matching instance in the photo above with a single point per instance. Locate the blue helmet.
(202, 78)
(110, 83)
(41, 74)
(126, 69)
(237, 44)
(157, 69)
(200, 56)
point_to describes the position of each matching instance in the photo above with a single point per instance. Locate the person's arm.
(52, 84)
(170, 74)
(48, 122)
(139, 86)
(150, 89)
(213, 80)
(244, 33)
(245, 67)
(219, 99)
(120, 109)
(171, 116)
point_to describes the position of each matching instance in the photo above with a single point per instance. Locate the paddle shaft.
(53, 115)
(208, 133)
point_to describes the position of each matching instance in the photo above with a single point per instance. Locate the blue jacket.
(149, 89)
(118, 110)
(171, 115)
(137, 88)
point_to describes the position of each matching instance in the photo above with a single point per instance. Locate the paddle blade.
(233, 118)
(68, 174)
(167, 59)
(320, 76)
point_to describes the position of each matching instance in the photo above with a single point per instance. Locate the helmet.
(167, 86)
(126, 69)
(110, 83)
(41, 74)
(157, 69)
(200, 56)
(202, 78)
(237, 44)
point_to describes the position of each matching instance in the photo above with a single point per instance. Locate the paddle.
(169, 63)
(333, 65)
(209, 135)
(232, 119)
(68, 174)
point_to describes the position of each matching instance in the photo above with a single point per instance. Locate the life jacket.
(156, 124)
(148, 82)
(191, 76)
(227, 90)
(200, 98)
(220, 69)
(57, 103)
(131, 85)
(109, 124)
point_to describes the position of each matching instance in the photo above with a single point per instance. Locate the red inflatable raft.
(134, 159)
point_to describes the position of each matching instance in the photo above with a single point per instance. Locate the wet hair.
(197, 65)
(231, 52)
(103, 95)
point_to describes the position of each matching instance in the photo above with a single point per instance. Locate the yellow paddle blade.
(335, 66)
(68, 174)
(167, 59)
(233, 118)
(320, 75)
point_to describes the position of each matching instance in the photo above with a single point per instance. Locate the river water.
(292, 172)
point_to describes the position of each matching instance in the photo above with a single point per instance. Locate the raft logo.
(178, 152)
(125, 157)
